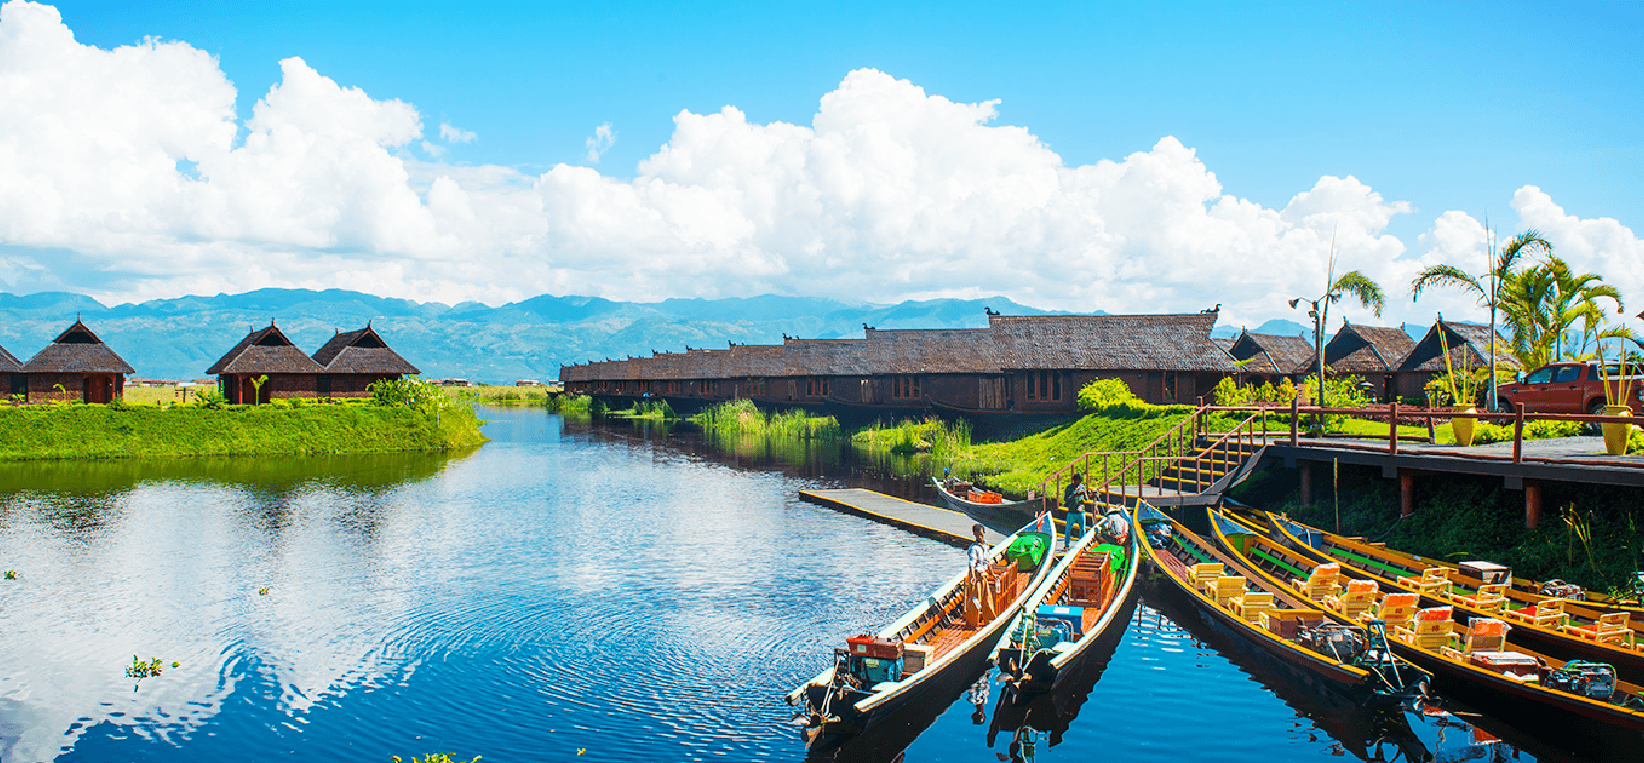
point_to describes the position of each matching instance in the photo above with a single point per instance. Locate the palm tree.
(1575, 297)
(1500, 268)
(1352, 283)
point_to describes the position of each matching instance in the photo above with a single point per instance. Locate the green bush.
(1107, 393)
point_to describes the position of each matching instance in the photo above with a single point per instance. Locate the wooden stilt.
(1532, 504)
(1306, 483)
(1407, 494)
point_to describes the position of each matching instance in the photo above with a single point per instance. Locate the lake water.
(604, 591)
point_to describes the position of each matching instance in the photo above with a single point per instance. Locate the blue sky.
(1444, 107)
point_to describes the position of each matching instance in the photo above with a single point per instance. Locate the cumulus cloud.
(127, 160)
(453, 134)
(600, 142)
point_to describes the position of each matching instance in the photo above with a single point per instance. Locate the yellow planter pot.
(1463, 428)
(1615, 435)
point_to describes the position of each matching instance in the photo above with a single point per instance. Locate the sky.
(1129, 158)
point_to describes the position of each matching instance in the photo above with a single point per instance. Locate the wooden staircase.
(1186, 466)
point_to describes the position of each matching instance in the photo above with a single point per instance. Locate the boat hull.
(996, 515)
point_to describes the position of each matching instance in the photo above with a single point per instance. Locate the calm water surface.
(565, 588)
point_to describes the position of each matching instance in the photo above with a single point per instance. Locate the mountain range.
(180, 338)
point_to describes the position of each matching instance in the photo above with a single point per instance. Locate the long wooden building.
(1018, 364)
(76, 366)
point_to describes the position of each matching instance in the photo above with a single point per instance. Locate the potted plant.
(1617, 391)
(1461, 386)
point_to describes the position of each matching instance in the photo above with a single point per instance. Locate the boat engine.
(1562, 590)
(1343, 642)
(1593, 680)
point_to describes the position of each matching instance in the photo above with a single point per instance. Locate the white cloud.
(600, 142)
(453, 134)
(889, 193)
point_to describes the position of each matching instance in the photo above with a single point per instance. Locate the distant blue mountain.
(179, 338)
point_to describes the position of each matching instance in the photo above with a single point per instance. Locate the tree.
(1500, 268)
(1352, 283)
(257, 389)
(1543, 303)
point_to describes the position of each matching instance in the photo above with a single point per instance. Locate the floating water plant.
(263, 591)
(11, 574)
(141, 670)
(437, 757)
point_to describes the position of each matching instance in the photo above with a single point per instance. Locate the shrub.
(1107, 393)
(410, 392)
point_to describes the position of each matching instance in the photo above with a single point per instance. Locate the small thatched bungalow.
(1469, 346)
(354, 359)
(12, 380)
(266, 352)
(1373, 352)
(79, 362)
(1268, 358)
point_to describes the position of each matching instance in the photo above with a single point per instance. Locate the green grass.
(742, 417)
(655, 410)
(82, 431)
(1020, 465)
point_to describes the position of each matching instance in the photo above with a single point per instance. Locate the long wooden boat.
(1523, 591)
(1005, 514)
(1079, 601)
(1276, 620)
(1567, 629)
(1484, 654)
(869, 680)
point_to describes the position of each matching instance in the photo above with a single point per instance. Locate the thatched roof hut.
(361, 352)
(77, 351)
(265, 351)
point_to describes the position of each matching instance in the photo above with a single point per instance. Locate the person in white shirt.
(1114, 526)
(978, 593)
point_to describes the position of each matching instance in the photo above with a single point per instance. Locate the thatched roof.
(1094, 342)
(1365, 349)
(361, 352)
(265, 351)
(9, 363)
(1469, 346)
(1273, 353)
(1109, 342)
(77, 350)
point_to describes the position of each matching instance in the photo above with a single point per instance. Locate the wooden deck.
(950, 527)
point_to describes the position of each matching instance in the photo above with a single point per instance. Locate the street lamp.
(1318, 335)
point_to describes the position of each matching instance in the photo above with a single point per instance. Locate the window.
(1541, 376)
(1170, 386)
(816, 386)
(672, 387)
(756, 386)
(1567, 374)
(905, 386)
(1044, 386)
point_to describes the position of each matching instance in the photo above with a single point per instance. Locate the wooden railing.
(1394, 413)
(1178, 445)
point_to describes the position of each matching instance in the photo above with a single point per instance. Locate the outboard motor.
(1593, 680)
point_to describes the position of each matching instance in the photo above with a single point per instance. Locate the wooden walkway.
(950, 527)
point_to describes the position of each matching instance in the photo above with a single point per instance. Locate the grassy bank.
(1592, 535)
(122, 431)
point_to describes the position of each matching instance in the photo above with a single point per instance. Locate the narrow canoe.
(1371, 678)
(1555, 634)
(1275, 564)
(841, 702)
(1088, 585)
(1005, 514)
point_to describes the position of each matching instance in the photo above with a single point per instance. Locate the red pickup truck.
(1569, 387)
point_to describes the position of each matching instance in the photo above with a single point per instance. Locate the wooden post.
(1295, 415)
(1393, 430)
(1532, 500)
(1407, 493)
(1432, 436)
(1518, 447)
(1306, 483)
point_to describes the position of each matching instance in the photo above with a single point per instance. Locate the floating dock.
(950, 527)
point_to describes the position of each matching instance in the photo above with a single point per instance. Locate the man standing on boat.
(1073, 499)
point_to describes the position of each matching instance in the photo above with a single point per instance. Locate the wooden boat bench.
(1547, 613)
(1251, 605)
(1610, 628)
(1489, 597)
(1225, 588)
(1357, 600)
(1434, 581)
(1324, 580)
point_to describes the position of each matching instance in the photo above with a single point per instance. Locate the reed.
(742, 417)
(934, 436)
(657, 410)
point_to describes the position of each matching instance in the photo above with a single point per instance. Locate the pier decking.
(950, 527)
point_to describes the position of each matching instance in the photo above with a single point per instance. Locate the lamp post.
(1316, 312)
